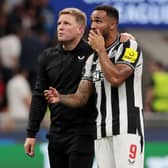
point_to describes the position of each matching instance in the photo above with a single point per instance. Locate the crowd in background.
(26, 28)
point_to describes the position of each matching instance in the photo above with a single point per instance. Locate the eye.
(98, 21)
(66, 23)
(63, 23)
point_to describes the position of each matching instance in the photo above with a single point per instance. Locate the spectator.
(156, 99)
(19, 97)
(10, 48)
(5, 75)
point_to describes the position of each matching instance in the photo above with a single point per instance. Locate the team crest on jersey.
(130, 55)
(131, 162)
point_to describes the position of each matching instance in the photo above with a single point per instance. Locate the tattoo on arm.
(81, 96)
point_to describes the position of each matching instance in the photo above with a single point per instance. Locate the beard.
(105, 34)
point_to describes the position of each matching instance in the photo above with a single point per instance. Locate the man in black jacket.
(72, 130)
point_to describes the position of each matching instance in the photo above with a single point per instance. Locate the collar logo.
(81, 57)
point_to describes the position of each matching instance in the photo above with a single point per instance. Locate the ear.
(81, 30)
(113, 25)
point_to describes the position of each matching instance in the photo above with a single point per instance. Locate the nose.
(60, 26)
(93, 26)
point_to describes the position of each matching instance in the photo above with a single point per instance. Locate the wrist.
(31, 135)
(61, 98)
(101, 51)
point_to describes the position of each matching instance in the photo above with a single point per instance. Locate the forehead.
(98, 14)
(67, 17)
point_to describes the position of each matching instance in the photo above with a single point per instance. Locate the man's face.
(67, 28)
(99, 20)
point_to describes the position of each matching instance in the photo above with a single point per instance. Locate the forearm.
(81, 96)
(73, 100)
(111, 72)
(37, 112)
(77, 99)
(116, 74)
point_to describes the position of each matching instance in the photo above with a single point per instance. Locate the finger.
(45, 92)
(92, 33)
(98, 32)
(29, 151)
(89, 40)
(26, 149)
(46, 95)
(51, 88)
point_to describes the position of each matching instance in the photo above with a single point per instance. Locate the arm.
(77, 99)
(114, 73)
(37, 109)
(38, 103)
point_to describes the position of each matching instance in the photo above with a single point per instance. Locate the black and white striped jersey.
(119, 109)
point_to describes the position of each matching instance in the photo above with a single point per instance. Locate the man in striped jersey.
(114, 70)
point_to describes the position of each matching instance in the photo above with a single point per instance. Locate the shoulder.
(90, 60)
(131, 44)
(131, 47)
(85, 48)
(45, 56)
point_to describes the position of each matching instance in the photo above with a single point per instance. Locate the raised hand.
(52, 95)
(96, 40)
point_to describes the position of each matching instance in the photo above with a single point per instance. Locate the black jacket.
(62, 70)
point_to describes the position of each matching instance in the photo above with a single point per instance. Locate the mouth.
(60, 34)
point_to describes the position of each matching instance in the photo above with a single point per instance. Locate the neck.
(70, 45)
(111, 39)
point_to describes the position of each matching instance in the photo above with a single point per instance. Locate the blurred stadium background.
(28, 26)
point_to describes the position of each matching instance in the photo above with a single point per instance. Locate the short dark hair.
(110, 11)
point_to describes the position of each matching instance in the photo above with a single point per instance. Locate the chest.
(64, 67)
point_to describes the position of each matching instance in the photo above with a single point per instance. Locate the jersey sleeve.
(130, 54)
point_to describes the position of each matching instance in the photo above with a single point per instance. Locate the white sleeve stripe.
(87, 78)
(127, 63)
